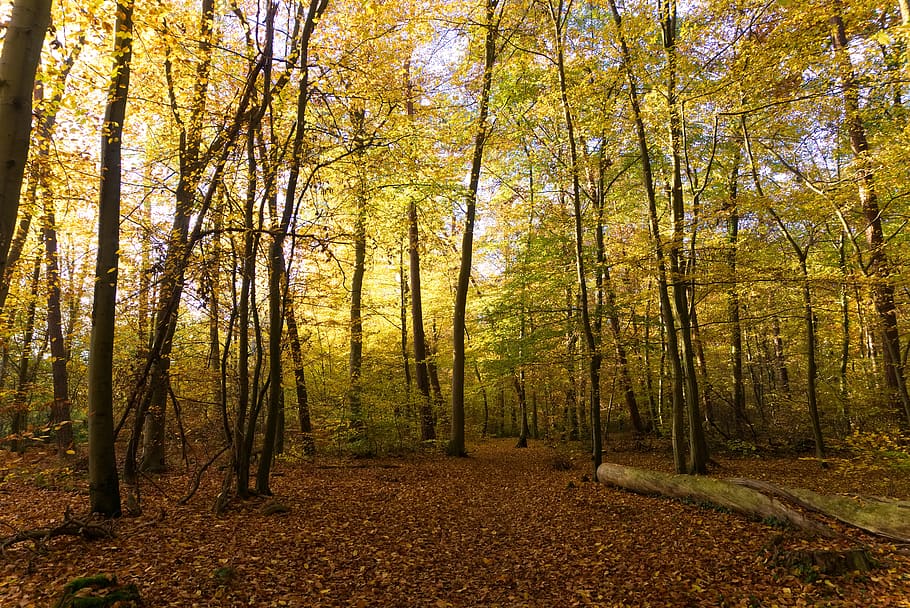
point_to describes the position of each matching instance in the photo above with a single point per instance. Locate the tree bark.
(171, 288)
(698, 447)
(559, 15)
(303, 403)
(425, 411)
(355, 361)
(666, 308)
(456, 446)
(104, 486)
(879, 267)
(46, 113)
(733, 306)
(22, 43)
(20, 400)
(701, 489)
(281, 228)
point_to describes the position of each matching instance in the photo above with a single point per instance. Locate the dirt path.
(501, 528)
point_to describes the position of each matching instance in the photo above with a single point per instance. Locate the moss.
(105, 593)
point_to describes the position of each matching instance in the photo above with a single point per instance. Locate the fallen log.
(886, 518)
(737, 498)
(763, 500)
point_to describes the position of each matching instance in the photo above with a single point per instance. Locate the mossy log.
(706, 490)
(766, 501)
(882, 517)
(100, 591)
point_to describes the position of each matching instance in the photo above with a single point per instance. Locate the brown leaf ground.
(503, 527)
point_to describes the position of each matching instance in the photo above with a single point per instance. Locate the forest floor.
(503, 527)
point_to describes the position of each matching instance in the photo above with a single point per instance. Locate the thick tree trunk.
(879, 268)
(763, 500)
(24, 37)
(104, 485)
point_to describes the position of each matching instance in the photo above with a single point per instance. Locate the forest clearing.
(503, 527)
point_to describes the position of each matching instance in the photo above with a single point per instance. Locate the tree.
(277, 264)
(559, 15)
(879, 268)
(104, 486)
(24, 37)
(490, 25)
(666, 308)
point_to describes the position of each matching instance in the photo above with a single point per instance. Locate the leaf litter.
(503, 527)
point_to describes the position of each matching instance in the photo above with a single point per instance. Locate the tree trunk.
(811, 362)
(23, 38)
(21, 398)
(281, 227)
(46, 113)
(403, 320)
(879, 267)
(666, 308)
(355, 362)
(844, 302)
(733, 307)
(60, 406)
(698, 448)
(104, 486)
(425, 411)
(518, 381)
(303, 404)
(570, 409)
(456, 445)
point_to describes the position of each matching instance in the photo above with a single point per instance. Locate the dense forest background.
(686, 220)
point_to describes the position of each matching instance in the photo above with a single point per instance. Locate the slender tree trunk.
(21, 398)
(811, 363)
(60, 406)
(303, 403)
(403, 320)
(272, 394)
(47, 117)
(355, 362)
(733, 306)
(559, 16)
(282, 226)
(425, 411)
(698, 449)
(844, 302)
(104, 486)
(23, 39)
(241, 455)
(456, 445)
(570, 409)
(486, 405)
(171, 285)
(666, 308)
(879, 266)
(518, 381)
